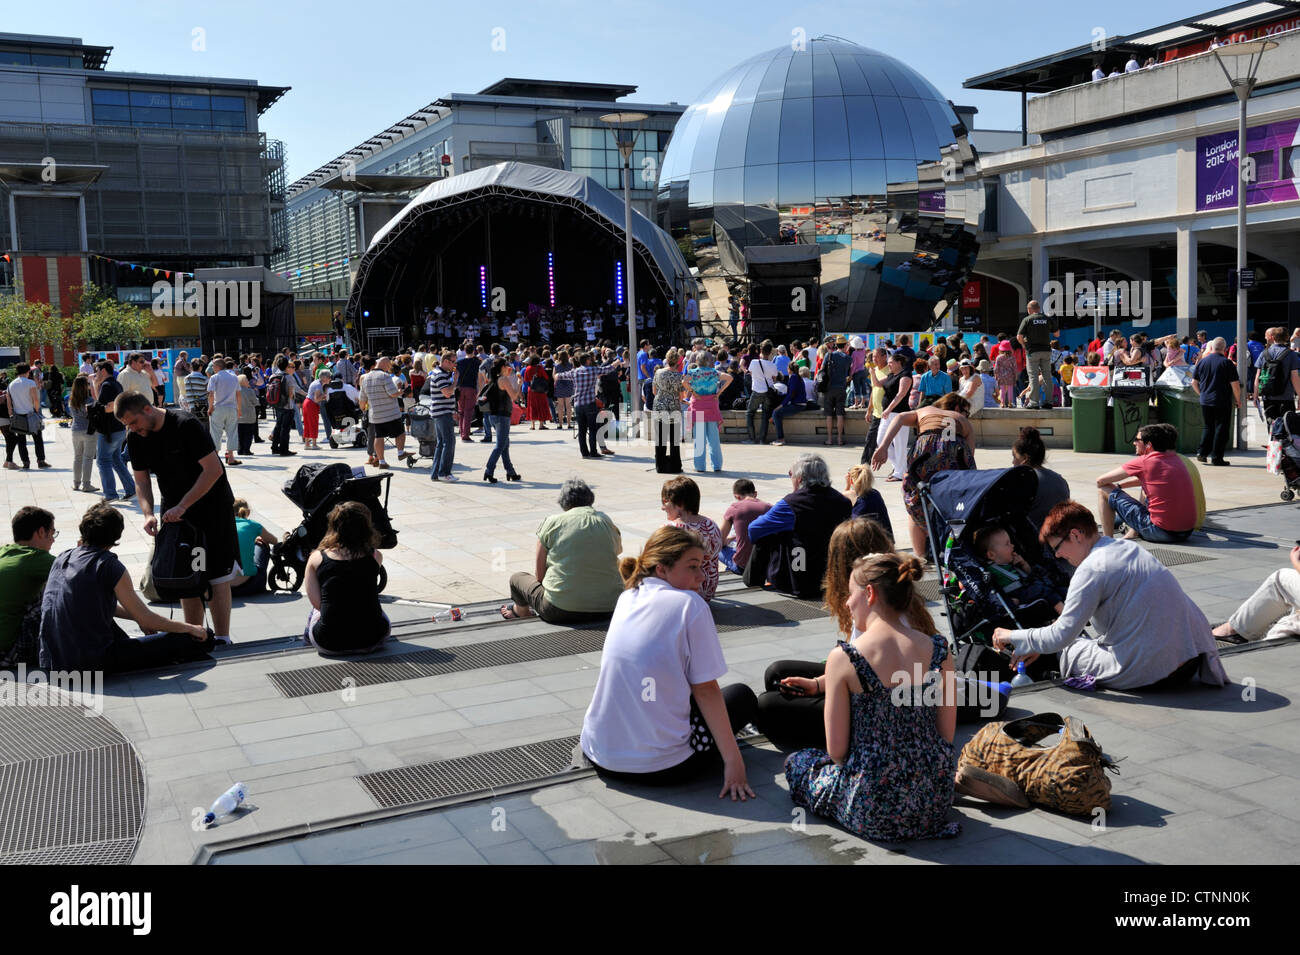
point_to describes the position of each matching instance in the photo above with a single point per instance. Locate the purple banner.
(1275, 147)
(935, 201)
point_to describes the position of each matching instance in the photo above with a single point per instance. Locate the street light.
(626, 143)
(1245, 57)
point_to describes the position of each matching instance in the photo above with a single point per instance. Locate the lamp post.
(1245, 57)
(626, 143)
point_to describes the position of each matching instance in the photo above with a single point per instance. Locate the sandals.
(508, 613)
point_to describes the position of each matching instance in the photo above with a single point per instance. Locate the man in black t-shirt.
(111, 444)
(1215, 379)
(1035, 335)
(178, 450)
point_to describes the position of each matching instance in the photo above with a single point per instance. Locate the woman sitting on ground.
(342, 583)
(867, 501)
(1030, 452)
(681, 503)
(88, 587)
(1271, 612)
(658, 716)
(790, 711)
(1150, 634)
(255, 543)
(890, 714)
(576, 577)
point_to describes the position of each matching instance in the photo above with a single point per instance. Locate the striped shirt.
(196, 390)
(584, 381)
(433, 386)
(380, 392)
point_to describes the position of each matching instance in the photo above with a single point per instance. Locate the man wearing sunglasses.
(1168, 514)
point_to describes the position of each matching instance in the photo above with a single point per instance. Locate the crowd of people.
(850, 743)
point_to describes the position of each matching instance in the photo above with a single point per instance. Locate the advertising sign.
(1275, 151)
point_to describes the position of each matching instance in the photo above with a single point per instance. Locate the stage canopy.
(510, 236)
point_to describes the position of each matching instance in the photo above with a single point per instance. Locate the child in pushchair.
(346, 416)
(958, 506)
(1011, 574)
(1286, 431)
(317, 489)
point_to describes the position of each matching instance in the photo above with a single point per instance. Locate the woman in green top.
(255, 544)
(576, 578)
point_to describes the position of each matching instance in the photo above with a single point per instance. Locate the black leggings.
(741, 709)
(792, 722)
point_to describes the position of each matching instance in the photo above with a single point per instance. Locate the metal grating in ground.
(331, 677)
(82, 803)
(417, 664)
(480, 772)
(1172, 558)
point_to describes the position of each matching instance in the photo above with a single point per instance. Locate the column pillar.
(1037, 270)
(1186, 282)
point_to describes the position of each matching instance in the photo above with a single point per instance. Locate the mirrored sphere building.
(839, 146)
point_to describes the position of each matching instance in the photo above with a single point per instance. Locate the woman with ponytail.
(658, 716)
(890, 714)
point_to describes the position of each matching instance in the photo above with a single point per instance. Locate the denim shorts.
(1135, 514)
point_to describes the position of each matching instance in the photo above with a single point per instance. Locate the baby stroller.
(347, 419)
(956, 505)
(422, 430)
(316, 489)
(1286, 431)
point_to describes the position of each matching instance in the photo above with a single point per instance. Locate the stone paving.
(1208, 775)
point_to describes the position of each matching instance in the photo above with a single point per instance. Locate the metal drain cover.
(479, 772)
(71, 788)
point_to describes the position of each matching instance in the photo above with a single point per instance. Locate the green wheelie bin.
(1088, 417)
(1131, 410)
(1181, 407)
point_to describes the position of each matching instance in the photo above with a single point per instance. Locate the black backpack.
(178, 567)
(1272, 373)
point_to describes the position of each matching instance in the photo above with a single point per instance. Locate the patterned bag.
(1273, 461)
(1069, 776)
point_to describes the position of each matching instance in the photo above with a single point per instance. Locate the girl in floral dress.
(887, 770)
(681, 503)
(1004, 373)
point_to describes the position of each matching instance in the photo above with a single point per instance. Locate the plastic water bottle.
(226, 803)
(1021, 678)
(454, 615)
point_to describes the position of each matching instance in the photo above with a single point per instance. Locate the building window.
(176, 110)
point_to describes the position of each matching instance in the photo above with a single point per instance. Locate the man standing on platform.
(1035, 335)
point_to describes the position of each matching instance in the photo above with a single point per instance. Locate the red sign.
(1240, 36)
(970, 294)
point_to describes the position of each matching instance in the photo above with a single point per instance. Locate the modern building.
(842, 155)
(335, 211)
(123, 178)
(1131, 179)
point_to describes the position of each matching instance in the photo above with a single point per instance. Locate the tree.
(101, 321)
(30, 325)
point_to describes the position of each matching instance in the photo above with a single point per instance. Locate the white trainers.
(449, 477)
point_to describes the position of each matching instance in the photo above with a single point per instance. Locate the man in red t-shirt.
(735, 555)
(1168, 515)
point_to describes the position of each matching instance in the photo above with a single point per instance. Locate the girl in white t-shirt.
(652, 720)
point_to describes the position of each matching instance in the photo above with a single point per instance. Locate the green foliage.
(29, 325)
(688, 249)
(101, 321)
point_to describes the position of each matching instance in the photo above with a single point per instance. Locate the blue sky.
(356, 68)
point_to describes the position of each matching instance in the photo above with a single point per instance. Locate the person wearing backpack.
(1277, 380)
(279, 398)
(176, 448)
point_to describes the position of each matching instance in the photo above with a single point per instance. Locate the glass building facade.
(838, 145)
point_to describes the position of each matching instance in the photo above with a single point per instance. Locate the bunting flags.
(297, 273)
(135, 267)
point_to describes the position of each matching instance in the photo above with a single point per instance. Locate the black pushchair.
(346, 418)
(956, 505)
(1286, 431)
(422, 429)
(316, 489)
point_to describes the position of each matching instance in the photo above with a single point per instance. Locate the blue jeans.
(779, 416)
(706, 436)
(112, 464)
(728, 557)
(1136, 515)
(326, 423)
(501, 425)
(444, 449)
